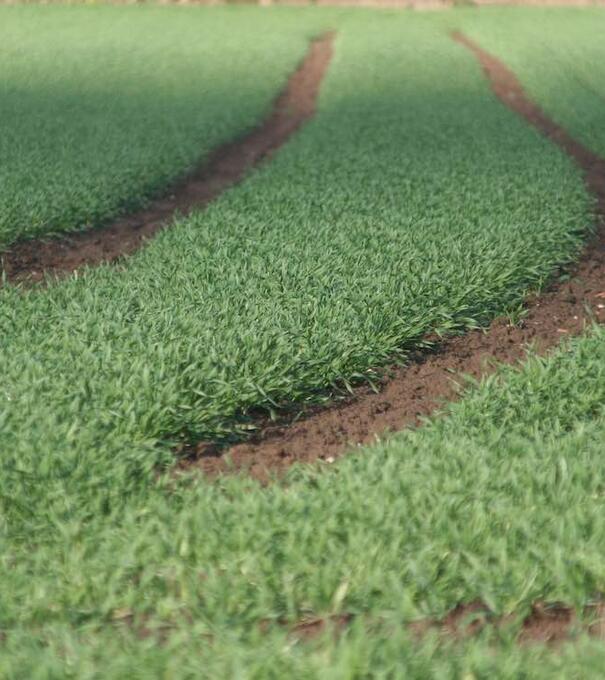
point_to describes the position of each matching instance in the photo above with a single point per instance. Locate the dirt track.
(551, 623)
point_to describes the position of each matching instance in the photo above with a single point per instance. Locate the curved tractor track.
(418, 389)
(33, 260)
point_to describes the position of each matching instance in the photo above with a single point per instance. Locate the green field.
(412, 203)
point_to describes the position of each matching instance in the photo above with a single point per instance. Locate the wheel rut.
(546, 623)
(416, 390)
(34, 260)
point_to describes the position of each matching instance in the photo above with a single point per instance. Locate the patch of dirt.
(35, 259)
(387, 4)
(551, 623)
(432, 378)
(464, 620)
(541, 3)
(310, 628)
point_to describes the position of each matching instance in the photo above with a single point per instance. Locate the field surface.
(414, 203)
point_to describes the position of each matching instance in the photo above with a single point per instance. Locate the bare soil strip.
(547, 622)
(539, 3)
(418, 389)
(33, 260)
(551, 623)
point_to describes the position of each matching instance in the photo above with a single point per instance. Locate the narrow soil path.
(33, 260)
(430, 378)
(551, 623)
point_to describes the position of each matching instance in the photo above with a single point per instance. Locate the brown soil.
(464, 620)
(310, 628)
(541, 3)
(430, 379)
(33, 260)
(379, 4)
(549, 623)
(385, 4)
